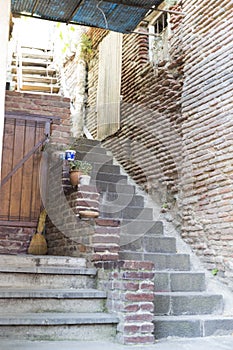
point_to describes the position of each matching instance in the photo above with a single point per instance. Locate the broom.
(38, 244)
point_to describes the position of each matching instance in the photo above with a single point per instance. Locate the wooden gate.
(20, 193)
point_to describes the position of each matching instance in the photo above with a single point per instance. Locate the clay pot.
(74, 177)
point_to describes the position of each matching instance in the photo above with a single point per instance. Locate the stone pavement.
(208, 343)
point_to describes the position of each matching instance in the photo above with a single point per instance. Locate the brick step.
(122, 199)
(47, 300)
(176, 281)
(47, 277)
(58, 326)
(94, 157)
(192, 326)
(115, 211)
(183, 303)
(149, 244)
(142, 227)
(162, 261)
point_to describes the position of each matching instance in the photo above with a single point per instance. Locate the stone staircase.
(33, 71)
(51, 298)
(183, 307)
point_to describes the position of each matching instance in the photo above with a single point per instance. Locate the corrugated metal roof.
(117, 15)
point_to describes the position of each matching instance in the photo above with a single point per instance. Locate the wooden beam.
(18, 223)
(5, 6)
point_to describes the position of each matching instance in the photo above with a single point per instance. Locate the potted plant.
(75, 171)
(85, 173)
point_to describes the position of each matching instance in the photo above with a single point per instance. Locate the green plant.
(214, 272)
(86, 48)
(85, 168)
(82, 166)
(75, 165)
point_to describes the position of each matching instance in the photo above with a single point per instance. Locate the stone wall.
(208, 133)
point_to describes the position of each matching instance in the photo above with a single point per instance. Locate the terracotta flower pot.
(74, 177)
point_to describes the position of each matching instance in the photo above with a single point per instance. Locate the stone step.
(35, 70)
(40, 87)
(94, 157)
(105, 168)
(46, 300)
(183, 303)
(85, 142)
(37, 54)
(47, 277)
(142, 227)
(114, 211)
(103, 186)
(192, 326)
(41, 261)
(36, 78)
(162, 261)
(149, 244)
(87, 148)
(58, 326)
(176, 281)
(33, 61)
(124, 200)
(105, 177)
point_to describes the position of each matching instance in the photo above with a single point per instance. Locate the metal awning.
(117, 15)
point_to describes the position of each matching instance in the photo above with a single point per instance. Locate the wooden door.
(20, 195)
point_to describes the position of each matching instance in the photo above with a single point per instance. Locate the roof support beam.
(4, 30)
(74, 11)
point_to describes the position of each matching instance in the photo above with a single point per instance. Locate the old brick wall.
(45, 105)
(176, 127)
(66, 232)
(208, 132)
(130, 291)
(148, 143)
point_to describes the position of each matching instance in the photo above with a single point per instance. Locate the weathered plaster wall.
(208, 132)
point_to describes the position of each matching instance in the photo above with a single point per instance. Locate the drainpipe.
(5, 6)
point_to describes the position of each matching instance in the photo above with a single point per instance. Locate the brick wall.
(46, 105)
(207, 132)
(130, 292)
(176, 127)
(146, 144)
(66, 232)
(15, 240)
